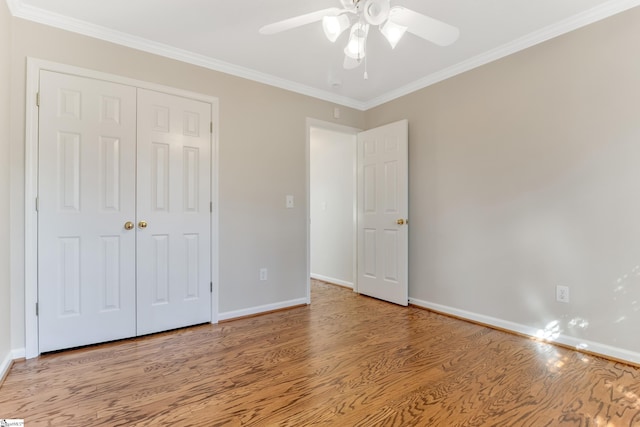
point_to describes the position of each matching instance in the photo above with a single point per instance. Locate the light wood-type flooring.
(346, 360)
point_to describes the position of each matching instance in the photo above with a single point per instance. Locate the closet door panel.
(86, 194)
(173, 236)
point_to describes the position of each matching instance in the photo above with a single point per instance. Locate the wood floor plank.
(346, 360)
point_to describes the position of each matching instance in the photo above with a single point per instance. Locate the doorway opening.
(380, 209)
(332, 186)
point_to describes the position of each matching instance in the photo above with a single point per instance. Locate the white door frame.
(34, 66)
(315, 123)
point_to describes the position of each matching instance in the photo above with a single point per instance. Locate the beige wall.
(5, 108)
(524, 175)
(262, 140)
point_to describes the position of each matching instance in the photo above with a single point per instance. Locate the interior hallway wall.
(332, 206)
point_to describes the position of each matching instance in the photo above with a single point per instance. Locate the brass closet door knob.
(142, 224)
(128, 225)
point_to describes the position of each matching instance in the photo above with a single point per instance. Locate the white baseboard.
(332, 280)
(567, 340)
(261, 309)
(19, 353)
(5, 366)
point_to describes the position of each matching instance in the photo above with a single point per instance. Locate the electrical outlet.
(562, 294)
(263, 274)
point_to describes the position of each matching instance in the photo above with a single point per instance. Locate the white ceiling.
(223, 35)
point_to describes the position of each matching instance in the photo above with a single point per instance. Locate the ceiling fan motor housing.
(376, 11)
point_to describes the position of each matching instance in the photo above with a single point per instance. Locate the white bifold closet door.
(174, 187)
(112, 159)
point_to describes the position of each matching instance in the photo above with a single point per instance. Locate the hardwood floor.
(346, 360)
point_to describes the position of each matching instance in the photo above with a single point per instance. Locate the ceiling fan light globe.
(376, 11)
(354, 49)
(333, 26)
(393, 32)
(357, 41)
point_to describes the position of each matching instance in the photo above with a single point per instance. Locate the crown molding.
(585, 18)
(605, 10)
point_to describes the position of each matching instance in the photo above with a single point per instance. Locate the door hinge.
(37, 99)
(211, 127)
(36, 309)
(37, 207)
(210, 206)
(211, 287)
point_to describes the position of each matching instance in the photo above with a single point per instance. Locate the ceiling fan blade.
(424, 26)
(299, 21)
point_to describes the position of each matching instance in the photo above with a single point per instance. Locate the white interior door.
(174, 187)
(86, 194)
(382, 212)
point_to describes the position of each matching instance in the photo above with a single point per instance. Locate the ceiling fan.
(359, 16)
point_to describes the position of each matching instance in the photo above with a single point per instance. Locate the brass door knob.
(142, 224)
(128, 225)
(400, 221)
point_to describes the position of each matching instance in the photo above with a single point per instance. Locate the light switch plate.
(290, 201)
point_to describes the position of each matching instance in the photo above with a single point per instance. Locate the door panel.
(382, 201)
(174, 187)
(86, 192)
